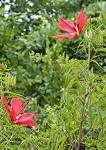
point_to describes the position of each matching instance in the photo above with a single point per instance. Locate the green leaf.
(60, 143)
(101, 49)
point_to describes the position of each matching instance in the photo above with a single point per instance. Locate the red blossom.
(68, 26)
(15, 110)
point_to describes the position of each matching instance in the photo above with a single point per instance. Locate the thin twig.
(88, 133)
(81, 120)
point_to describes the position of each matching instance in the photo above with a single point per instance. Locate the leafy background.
(49, 72)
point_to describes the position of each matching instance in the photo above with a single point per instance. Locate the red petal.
(16, 105)
(5, 104)
(25, 117)
(66, 25)
(27, 123)
(11, 114)
(25, 104)
(80, 21)
(69, 36)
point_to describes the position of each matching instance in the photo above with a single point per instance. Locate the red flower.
(15, 112)
(68, 26)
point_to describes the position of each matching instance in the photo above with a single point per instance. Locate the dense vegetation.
(67, 88)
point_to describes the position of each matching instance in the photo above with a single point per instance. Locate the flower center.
(18, 116)
(77, 30)
(72, 33)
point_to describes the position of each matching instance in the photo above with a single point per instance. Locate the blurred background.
(27, 47)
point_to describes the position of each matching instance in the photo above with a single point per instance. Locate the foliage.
(66, 87)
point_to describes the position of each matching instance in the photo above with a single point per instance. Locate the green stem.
(89, 55)
(0, 83)
(84, 102)
(80, 127)
(82, 119)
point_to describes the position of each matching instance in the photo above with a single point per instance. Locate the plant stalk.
(84, 102)
(81, 121)
(89, 55)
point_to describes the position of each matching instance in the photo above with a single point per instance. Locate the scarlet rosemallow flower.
(15, 110)
(68, 26)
